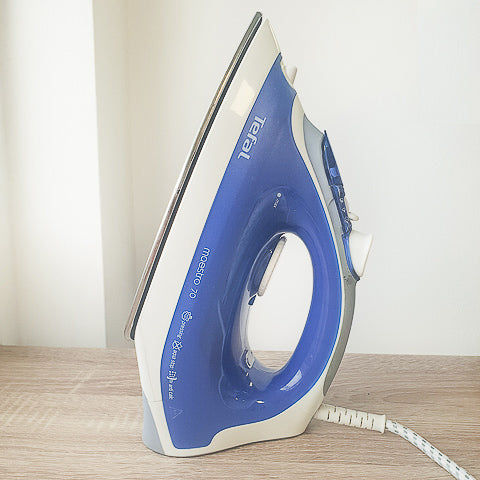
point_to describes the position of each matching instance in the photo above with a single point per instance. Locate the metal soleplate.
(182, 183)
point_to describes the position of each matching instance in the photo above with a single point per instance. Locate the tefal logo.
(252, 138)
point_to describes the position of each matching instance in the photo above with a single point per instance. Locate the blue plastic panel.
(208, 380)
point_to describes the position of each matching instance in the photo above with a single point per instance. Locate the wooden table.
(76, 413)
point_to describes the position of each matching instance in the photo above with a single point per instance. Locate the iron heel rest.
(203, 388)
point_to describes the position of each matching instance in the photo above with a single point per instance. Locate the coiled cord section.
(352, 418)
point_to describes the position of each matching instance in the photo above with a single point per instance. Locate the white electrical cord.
(355, 418)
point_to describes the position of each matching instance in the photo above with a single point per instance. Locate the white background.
(99, 107)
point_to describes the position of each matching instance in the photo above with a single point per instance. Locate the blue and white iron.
(257, 170)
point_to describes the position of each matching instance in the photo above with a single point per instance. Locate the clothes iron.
(257, 170)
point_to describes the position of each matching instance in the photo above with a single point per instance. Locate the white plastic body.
(159, 306)
(360, 245)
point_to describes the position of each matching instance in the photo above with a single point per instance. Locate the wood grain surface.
(76, 413)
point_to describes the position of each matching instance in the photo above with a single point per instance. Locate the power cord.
(370, 421)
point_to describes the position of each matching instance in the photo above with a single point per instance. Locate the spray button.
(291, 72)
(352, 216)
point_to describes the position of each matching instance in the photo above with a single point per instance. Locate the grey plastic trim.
(313, 143)
(150, 434)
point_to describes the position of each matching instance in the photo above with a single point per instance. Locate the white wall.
(49, 111)
(8, 330)
(396, 86)
(113, 118)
